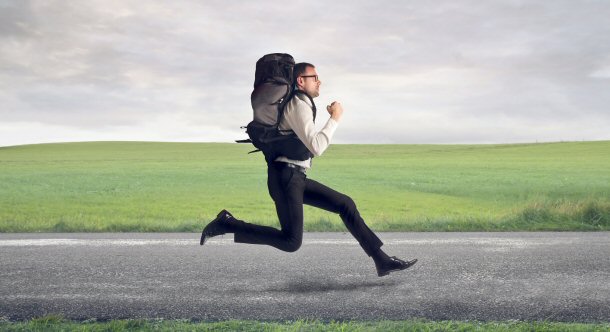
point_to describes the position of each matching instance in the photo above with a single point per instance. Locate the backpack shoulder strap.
(282, 106)
(295, 92)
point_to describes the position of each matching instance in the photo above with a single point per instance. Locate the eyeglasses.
(315, 77)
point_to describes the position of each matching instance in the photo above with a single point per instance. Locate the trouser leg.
(286, 188)
(323, 197)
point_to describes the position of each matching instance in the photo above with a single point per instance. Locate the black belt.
(297, 167)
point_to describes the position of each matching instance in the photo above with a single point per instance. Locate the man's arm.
(300, 119)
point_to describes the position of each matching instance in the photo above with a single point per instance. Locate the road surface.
(461, 276)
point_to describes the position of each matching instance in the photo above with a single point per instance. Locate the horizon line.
(205, 142)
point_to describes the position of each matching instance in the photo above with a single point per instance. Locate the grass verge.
(57, 323)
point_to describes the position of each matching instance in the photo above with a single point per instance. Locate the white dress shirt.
(298, 117)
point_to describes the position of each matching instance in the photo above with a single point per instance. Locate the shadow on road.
(327, 285)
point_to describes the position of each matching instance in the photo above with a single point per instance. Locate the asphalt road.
(462, 276)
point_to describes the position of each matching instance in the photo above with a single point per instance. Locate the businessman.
(290, 187)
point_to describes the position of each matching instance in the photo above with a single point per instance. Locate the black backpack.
(273, 89)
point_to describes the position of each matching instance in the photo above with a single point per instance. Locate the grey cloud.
(472, 64)
(82, 68)
(14, 19)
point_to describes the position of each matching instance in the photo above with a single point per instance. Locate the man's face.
(309, 82)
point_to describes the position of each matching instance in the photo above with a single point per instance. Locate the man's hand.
(335, 110)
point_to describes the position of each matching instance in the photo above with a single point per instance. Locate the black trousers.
(290, 189)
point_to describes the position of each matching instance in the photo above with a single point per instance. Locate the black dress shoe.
(393, 264)
(219, 226)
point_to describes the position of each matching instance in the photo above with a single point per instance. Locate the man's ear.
(300, 81)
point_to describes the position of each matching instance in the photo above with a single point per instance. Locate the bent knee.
(348, 205)
(293, 244)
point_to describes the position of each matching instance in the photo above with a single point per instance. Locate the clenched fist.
(335, 110)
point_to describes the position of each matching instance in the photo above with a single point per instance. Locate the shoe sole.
(394, 270)
(204, 238)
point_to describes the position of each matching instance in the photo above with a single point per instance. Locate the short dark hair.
(299, 69)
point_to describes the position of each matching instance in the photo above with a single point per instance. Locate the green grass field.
(55, 323)
(154, 187)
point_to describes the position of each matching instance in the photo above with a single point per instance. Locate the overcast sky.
(405, 71)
